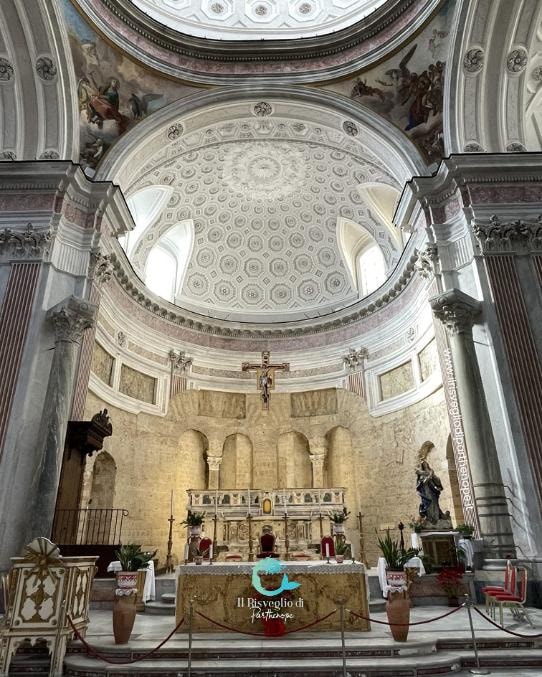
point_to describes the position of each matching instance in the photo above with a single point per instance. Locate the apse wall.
(372, 457)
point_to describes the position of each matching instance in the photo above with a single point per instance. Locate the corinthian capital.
(71, 317)
(214, 462)
(426, 263)
(456, 310)
(181, 363)
(25, 243)
(100, 268)
(355, 358)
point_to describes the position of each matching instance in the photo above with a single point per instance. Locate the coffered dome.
(257, 19)
(258, 210)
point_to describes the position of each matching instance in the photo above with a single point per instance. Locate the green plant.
(395, 556)
(415, 526)
(338, 517)
(465, 529)
(341, 547)
(194, 519)
(132, 558)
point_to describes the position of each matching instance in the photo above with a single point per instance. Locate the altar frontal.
(272, 597)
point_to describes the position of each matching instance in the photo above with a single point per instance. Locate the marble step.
(168, 598)
(408, 666)
(160, 608)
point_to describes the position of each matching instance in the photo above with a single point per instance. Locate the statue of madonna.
(429, 487)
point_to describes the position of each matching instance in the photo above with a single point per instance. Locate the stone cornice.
(329, 55)
(391, 289)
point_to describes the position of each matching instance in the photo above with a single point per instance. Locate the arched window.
(161, 273)
(371, 269)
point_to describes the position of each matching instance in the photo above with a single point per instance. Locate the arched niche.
(102, 498)
(104, 475)
(294, 468)
(236, 466)
(339, 459)
(193, 446)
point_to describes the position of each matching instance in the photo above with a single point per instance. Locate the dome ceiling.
(257, 19)
(264, 195)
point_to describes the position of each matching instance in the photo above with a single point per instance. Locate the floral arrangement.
(395, 556)
(451, 581)
(132, 558)
(465, 530)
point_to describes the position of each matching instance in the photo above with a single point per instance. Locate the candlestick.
(286, 539)
(250, 542)
(215, 518)
(211, 554)
(361, 540)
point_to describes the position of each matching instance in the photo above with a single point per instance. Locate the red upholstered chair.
(509, 587)
(327, 540)
(267, 545)
(204, 546)
(515, 602)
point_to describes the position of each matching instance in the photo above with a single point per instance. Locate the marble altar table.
(224, 593)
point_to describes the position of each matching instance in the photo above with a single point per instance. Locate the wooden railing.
(88, 526)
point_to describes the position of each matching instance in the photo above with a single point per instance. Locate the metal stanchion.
(477, 670)
(190, 618)
(343, 645)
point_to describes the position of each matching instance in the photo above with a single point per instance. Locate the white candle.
(327, 549)
(211, 551)
(186, 552)
(285, 505)
(171, 508)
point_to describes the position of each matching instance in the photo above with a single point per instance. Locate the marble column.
(70, 319)
(317, 461)
(458, 312)
(214, 471)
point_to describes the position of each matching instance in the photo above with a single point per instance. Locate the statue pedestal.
(440, 548)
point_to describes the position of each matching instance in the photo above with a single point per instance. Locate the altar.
(225, 593)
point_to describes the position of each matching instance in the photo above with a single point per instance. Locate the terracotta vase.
(124, 613)
(398, 605)
(398, 610)
(124, 606)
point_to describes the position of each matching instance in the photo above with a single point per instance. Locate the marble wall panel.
(396, 381)
(428, 359)
(102, 364)
(137, 385)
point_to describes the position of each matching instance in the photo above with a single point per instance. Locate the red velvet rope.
(431, 620)
(510, 632)
(93, 652)
(262, 634)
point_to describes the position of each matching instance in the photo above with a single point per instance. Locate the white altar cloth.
(413, 562)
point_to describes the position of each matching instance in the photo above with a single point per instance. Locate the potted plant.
(451, 581)
(131, 559)
(338, 518)
(466, 530)
(194, 521)
(341, 550)
(199, 555)
(398, 602)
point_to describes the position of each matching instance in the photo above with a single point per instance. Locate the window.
(371, 269)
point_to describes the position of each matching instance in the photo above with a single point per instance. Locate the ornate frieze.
(29, 243)
(515, 236)
(456, 310)
(71, 318)
(354, 360)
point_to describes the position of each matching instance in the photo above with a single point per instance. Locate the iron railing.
(88, 526)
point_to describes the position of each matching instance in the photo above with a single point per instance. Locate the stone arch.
(193, 446)
(454, 482)
(236, 466)
(294, 469)
(339, 457)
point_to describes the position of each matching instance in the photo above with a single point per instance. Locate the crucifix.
(265, 375)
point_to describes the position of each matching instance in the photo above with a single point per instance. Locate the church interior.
(270, 323)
